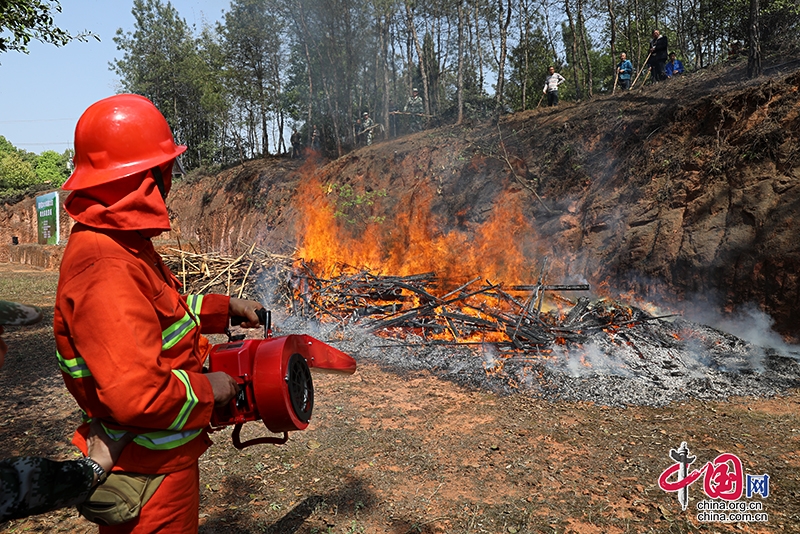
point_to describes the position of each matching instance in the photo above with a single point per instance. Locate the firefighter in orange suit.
(129, 345)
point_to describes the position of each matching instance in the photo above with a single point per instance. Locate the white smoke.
(587, 360)
(750, 324)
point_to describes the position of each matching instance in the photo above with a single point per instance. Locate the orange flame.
(503, 248)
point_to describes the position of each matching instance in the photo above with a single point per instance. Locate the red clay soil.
(415, 453)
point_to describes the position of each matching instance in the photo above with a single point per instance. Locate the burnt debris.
(533, 339)
(557, 341)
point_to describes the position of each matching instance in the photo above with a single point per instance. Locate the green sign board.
(48, 214)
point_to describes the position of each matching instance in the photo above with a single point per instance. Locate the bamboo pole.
(640, 72)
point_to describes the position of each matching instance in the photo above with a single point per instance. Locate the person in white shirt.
(551, 84)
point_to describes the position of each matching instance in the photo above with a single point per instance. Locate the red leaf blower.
(274, 377)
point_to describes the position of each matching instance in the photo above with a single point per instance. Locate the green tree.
(6, 147)
(529, 61)
(51, 168)
(215, 103)
(252, 38)
(15, 172)
(161, 62)
(23, 20)
(332, 67)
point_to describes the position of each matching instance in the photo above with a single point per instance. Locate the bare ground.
(413, 453)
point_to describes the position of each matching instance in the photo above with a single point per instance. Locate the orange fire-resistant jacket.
(128, 343)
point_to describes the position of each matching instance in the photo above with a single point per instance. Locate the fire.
(481, 284)
(500, 248)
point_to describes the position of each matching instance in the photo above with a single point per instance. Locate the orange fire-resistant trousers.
(173, 508)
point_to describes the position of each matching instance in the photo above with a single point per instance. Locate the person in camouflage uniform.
(366, 127)
(32, 485)
(416, 107)
(414, 104)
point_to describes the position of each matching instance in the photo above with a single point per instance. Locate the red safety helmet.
(119, 136)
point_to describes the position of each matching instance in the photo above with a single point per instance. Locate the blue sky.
(42, 94)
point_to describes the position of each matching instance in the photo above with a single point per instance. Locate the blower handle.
(264, 317)
(239, 444)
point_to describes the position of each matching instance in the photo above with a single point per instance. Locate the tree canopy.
(20, 169)
(230, 90)
(24, 20)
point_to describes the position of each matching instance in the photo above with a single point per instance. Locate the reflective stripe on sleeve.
(188, 406)
(75, 368)
(195, 303)
(176, 331)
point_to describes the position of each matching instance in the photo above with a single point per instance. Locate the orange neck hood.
(130, 203)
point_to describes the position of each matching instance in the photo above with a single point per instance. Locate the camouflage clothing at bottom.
(16, 314)
(32, 485)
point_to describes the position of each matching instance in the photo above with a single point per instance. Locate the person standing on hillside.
(624, 71)
(658, 56)
(551, 83)
(366, 127)
(416, 107)
(130, 346)
(295, 140)
(31, 485)
(414, 104)
(673, 66)
(316, 140)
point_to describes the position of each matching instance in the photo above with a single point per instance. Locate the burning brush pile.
(553, 340)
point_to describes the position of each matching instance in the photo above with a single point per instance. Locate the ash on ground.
(650, 363)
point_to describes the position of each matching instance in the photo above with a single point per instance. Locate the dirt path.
(418, 454)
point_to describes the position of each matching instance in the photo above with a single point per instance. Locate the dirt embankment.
(684, 191)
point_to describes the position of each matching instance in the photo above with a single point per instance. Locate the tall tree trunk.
(410, 56)
(460, 62)
(524, 32)
(263, 113)
(637, 17)
(550, 38)
(281, 147)
(574, 47)
(306, 37)
(585, 47)
(478, 48)
(613, 39)
(384, 43)
(349, 71)
(754, 57)
(501, 63)
(421, 56)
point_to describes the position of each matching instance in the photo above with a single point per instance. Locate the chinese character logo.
(723, 477)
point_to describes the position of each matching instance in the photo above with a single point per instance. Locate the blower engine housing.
(275, 383)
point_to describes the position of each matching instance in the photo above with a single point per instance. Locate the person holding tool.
(130, 346)
(658, 56)
(624, 71)
(415, 107)
(366, 127)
